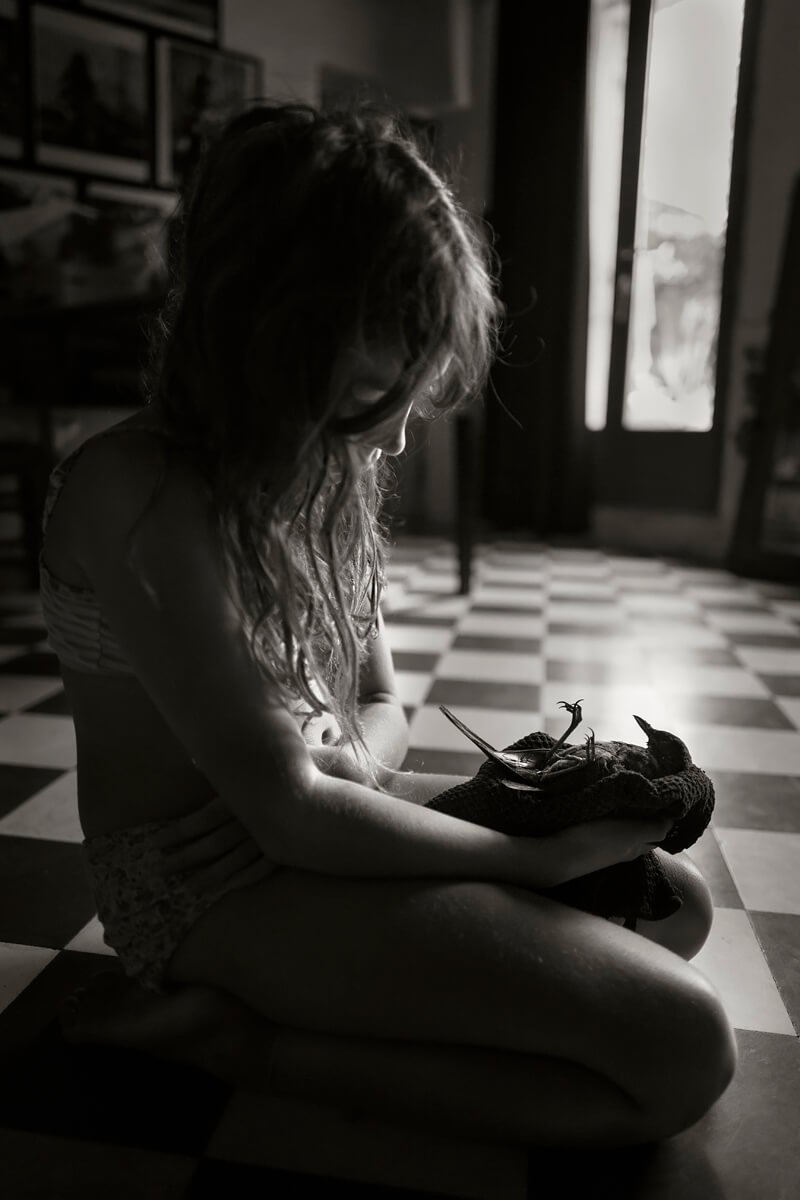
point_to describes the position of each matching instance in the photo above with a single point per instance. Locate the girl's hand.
(592, 845)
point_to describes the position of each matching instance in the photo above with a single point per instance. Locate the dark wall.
(537, 478)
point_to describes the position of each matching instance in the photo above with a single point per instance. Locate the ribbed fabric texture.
(77, 630)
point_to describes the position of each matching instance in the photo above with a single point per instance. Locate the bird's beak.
(640, 721)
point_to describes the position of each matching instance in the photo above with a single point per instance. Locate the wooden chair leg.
(466, 483)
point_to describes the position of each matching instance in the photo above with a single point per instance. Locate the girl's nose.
(393, 441)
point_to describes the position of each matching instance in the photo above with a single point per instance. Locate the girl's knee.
(687, 930)
(709, 1057)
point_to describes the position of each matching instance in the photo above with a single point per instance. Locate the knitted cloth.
(640, 888)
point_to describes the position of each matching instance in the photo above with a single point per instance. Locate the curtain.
(536, 479)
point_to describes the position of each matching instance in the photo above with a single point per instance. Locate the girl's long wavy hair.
(303, 235)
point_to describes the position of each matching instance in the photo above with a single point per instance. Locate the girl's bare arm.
(184, 638)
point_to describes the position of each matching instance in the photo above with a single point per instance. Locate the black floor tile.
(775, 641)
(105, 1094)
(750, 801)
(413, 617)
(751, 1137)
(32, 662)
(702, 656)
(745, 711)
(57, 705)
(409, 660)
(499, 645)
(18, 784)
(779, 937)
(708, 857)
(215, 1178)
(564, 671)
(599, 629)
(517, 697)
(45, 895)
(11, 635)
(507, 610)
(781, 685)
(39, 1167)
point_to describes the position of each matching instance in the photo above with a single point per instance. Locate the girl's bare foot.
(195, 1025)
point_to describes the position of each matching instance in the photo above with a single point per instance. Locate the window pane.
(684, 181)
(608, 58)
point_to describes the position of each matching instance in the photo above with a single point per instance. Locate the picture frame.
(183, 18)
(36, 214)
(197, 89)
(12, 85)
(90, 95)
(118, 249)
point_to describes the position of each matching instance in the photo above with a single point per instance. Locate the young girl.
(288, 913)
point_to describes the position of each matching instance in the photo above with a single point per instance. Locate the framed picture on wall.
(188, 18)
(36, 215)
(118, 247)
(12, 96)
(90, 98)
(196, 91)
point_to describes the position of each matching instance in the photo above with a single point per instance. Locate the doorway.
(662, 94)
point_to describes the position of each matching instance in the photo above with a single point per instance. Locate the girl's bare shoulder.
(130, 470)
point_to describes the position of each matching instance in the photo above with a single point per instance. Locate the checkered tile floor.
(714, 657)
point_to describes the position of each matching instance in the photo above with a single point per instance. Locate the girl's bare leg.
(553, 1026)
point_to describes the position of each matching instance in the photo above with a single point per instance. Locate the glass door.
(662, 101)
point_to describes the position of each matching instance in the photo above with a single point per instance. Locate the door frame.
(669, 470)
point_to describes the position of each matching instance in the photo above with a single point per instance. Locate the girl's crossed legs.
(467, 1005)
(472, 1006)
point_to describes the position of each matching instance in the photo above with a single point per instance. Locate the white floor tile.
(573, 577)
(413, 686)
(433, 583)
(765, 867)
(659, 602)
(51, 813)
(90, 940)
(790, 705)
(681, 678)
(734, 963)
(491, 666)
(441, 606)
(38, 740)
(19, 965)
(769, 660)
(727, 748)
(582, 589)
(431, 730)
(610, 648)
(502, 624)
(732, 621)
(598, 612)
(723, 595)
(787, 608)
(673, 633)
(433, 639)
(509, 597)
(607, 710)
(22, 691)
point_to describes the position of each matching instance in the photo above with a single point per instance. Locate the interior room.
(614, 516)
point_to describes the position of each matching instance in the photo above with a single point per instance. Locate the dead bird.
(564, 767)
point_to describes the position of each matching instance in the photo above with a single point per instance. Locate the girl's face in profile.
(369, 381)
